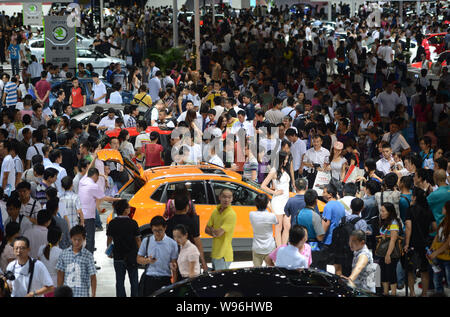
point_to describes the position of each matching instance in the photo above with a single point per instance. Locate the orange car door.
(243, 204)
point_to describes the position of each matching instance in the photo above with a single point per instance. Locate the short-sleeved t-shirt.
(124, 231)
(153, 154)
(42, 87)
(394, 226)
(290, 257)
(312, 221)
(421, 220)
(8, 165)
(192, 224)
(11, 91)
(293, 207)
(163, 251)
(221, 246)
(305, 252)
(333, 211)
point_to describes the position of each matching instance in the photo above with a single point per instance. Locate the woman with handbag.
(419, 220)
(388, 250)
(441, 250)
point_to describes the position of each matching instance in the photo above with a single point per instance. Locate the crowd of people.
(278, 99)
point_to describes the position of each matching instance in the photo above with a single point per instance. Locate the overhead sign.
(32, 14)
(60, 41)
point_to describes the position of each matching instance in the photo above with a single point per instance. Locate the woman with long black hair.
(419, 220)
(390, 227)
(279, 176)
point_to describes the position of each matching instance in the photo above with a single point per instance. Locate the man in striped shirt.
(10, 92)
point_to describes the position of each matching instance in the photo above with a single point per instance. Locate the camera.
(316, 165)
(304, 116)
(9, 276)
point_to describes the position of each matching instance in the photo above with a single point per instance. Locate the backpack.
(148, 116)
(341, 235)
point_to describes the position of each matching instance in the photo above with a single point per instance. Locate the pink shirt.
(306, 252)
(89, 192)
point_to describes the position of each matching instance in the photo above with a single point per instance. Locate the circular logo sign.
(32, 9)
(60, 33)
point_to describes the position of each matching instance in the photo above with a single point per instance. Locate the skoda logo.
(32, 10)
(60, 33)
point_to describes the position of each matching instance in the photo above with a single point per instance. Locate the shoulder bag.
(383, 246)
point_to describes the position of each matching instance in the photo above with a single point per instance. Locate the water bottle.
(434, 263)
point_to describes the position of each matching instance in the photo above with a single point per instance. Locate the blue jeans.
(437, 277)
(220, 264)
(98, 222)
(400, 274)
(121, 268)
(15, 66)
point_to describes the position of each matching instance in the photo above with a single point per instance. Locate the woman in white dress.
(279, 176)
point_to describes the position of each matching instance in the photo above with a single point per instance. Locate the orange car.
(148, 191)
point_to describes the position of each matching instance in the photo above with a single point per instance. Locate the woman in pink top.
(422, 111)
(188, 259)
(306, 251)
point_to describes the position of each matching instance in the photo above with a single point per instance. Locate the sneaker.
(97, 268)
(98, 229)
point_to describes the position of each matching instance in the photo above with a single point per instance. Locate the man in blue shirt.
(438, 198)
(331, 217)
(296, 203)
(14, 54)
(310, 219)
(159, 253)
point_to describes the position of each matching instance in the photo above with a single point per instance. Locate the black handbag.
(144, 274)
(383, 246)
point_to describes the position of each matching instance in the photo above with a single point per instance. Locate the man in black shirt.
(67, 87)
(69, 156)
(192, 223)
(124, 233)
(59, 103)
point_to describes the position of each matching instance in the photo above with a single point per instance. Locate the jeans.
(15, 66)
(121, 268)
(437, 277)
(98, 222)
(400, 274)
(89, 224)
(220, 264)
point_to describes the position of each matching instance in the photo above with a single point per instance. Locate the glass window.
(242, 196)
(158, 194)
(196, 190)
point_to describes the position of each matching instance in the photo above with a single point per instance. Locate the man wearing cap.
(99, 90)
(108, 123)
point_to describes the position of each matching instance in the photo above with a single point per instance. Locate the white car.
(82, 41)
(84, 55)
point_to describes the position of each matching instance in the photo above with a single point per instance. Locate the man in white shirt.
(387, 161)
(34, 69)
(154, 86)
(152, 71)
(242, 124)
(116, 97)
(167, 80)
(395, 139)
(55, 157)
(262, 222)
(99, 89)
(387, 101)
(108, 123)
(37, 234)
(314, 159)
(8, 169)
(189, 106)
(290, 256)
(41, 282)
(298, 149)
